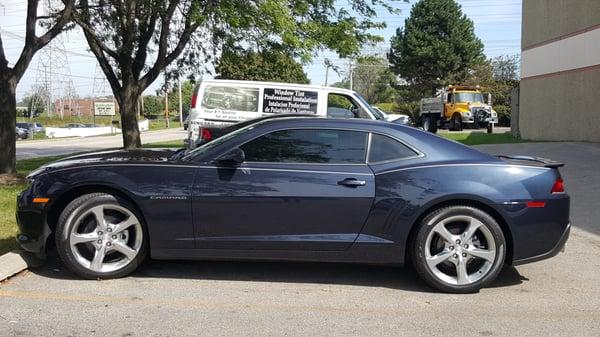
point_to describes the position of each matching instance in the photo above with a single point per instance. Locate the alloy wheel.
(460, 250)
(105, 238)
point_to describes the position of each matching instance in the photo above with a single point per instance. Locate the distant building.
(78, 107)
(560, 70)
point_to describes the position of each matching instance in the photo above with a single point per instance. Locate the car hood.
(115, 157)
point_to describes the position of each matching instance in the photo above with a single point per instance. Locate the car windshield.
(207, 146)
(378, 115)
(468, 97)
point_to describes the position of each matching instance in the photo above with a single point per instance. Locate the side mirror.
(232, 158)
(488, 98)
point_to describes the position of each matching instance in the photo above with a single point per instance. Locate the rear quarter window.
(384, 148)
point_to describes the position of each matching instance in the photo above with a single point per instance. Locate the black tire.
(418, 246)
(457, 122)
(430, 124)
(65, 224)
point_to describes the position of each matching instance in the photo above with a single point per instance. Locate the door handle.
(352, 182)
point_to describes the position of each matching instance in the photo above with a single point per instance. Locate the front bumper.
(560, 245)
(33, 228)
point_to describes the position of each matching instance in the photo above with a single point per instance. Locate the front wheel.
(458, 249)
(457, 122)
(101, 236)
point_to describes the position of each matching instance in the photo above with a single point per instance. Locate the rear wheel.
(429, 124)
(101, 236)
(458, 249)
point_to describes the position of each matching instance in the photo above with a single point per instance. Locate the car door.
(299, 189)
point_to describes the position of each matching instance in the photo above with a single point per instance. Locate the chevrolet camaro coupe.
(303, 189)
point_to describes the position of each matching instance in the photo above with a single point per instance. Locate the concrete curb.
(14, 262)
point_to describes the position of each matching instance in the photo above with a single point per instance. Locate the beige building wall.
(560, 70)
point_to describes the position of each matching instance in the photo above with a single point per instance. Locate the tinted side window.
(308, 146)
(230, 98)
(384, 148)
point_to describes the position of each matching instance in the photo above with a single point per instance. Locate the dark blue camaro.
(307, 189)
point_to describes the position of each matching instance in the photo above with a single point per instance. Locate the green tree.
(264, 65)
(153, 105)
(373, 79)
(34, 103)
(497, 76)
(135, 41)
(53, 23)
(187, 89)
(437, 46)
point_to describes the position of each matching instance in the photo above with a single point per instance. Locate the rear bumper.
(551, 253)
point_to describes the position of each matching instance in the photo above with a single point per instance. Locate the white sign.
(104, 108)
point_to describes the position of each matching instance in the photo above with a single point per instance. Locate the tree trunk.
(129, 122)
(8, 115)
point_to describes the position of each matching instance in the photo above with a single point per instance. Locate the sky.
(497, 24)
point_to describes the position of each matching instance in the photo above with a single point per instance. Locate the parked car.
(186, 122)
(395, 118)
(21, 133)
(33, 127)
(221, 103)
(312, 189)
(75, 125)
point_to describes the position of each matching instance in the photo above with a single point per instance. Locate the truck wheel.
(457, 122)
(426, 123)
(429, 124)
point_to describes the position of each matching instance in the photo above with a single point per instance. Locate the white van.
(221, 103)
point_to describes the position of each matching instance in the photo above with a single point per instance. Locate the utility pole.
(180, 102)
(350, 73)
(167, 108)
(326, 73)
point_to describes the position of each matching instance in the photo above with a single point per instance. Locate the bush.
(411, 109)
(503, 112)
(389, 108)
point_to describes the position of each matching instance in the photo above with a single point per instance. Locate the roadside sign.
(104, 108)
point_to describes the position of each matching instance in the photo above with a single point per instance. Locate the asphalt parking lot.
(556, 297)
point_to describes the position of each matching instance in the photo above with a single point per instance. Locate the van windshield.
(378, 116)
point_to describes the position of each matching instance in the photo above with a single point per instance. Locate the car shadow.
(400, 278)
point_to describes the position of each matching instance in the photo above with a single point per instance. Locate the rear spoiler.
(544, 161)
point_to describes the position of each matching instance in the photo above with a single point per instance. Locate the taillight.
(194, 97)
(205, 134)
(559, 186)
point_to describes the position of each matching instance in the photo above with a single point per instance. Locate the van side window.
(342, 106)
(230, 98)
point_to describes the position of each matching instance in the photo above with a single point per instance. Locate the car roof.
(434, 146)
